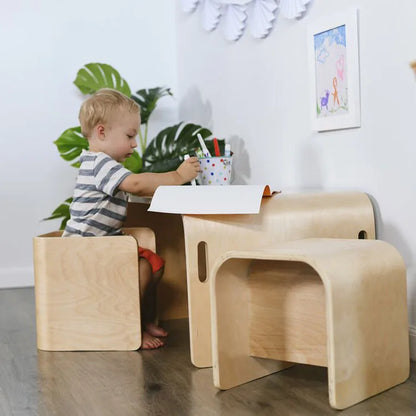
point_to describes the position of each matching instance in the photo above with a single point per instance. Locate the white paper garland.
(263, 16)
(292, 9)
(211, 13)
(235, 17)
(234, 14)
(188, 6)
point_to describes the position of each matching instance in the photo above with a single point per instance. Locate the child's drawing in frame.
(331, 75)
(333, 49)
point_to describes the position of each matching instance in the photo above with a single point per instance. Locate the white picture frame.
(334, 70)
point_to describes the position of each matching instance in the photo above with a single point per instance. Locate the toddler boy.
(110, 121)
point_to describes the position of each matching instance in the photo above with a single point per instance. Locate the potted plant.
(163, 153)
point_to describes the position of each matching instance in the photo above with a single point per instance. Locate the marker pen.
(216, 147)
(199, 153)
(203, 146)
(227, 151)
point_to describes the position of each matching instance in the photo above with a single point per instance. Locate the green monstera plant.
(163, 153)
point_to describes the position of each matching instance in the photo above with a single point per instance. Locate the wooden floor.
(162, 382)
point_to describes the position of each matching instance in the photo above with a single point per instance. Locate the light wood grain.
(144, 236)
(231, 359)
(87, 291)
(287, 312)
(365, 307)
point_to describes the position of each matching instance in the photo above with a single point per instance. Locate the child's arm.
(146, 183)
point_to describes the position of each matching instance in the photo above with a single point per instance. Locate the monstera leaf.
(147, 99)
(133, 163)
(61, 212)
(165, 152)
(70, 144)
(95, 76)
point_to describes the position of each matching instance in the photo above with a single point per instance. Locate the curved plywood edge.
(310, 250)
(144, 235)
(366, 310)
(232, 364)
(323, 214)
(87, 293)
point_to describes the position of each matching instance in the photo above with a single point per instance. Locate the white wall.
(42, 46)
(255, 93)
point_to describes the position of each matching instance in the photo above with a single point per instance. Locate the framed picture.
(334, 69)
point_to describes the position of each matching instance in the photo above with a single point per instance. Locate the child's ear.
(100, 130)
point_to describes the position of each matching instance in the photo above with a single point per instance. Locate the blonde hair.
(100, 107)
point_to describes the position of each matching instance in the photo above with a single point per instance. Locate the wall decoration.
(263, 17)
(189, 6)
(293, 9)
(334, 69)
(235, 14)
(235, 17)
(211, 13)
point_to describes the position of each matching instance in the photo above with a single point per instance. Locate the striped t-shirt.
(98, 207)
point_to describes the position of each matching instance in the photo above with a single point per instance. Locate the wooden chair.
(87, 291)
(338, 303)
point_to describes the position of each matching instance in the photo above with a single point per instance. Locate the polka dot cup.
(215, 171)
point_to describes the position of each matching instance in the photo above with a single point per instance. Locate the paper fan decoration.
(291, 9)
(263, 16)
(235, 12)
(188, 6)
(211, 13)
(235, 17)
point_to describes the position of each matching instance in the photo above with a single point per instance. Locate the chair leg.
(232, 363)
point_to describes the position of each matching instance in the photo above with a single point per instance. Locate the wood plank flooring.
(162, 382)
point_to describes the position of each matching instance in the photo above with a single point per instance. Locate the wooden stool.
(87, 291)
(337, 303)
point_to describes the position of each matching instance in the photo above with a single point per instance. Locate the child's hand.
(189, 169)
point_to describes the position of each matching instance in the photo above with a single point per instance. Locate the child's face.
(120, 135)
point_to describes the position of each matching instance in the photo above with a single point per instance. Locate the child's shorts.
(155, 261)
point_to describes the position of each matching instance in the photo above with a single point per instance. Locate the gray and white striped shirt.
(98, 207)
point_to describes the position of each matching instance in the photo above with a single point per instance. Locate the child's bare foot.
(155, 330)
(150, 343)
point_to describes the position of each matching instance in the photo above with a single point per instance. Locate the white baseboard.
(412, 334)
(16, 277)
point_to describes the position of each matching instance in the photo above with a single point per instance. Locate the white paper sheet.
(233, 199)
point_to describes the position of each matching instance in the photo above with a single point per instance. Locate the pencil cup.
(215, 171)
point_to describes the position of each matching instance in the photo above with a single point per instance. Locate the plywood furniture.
(87, 291)
(168, 228)
(199, 240)
(338, 303)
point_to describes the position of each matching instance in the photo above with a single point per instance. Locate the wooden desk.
(281, 218)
